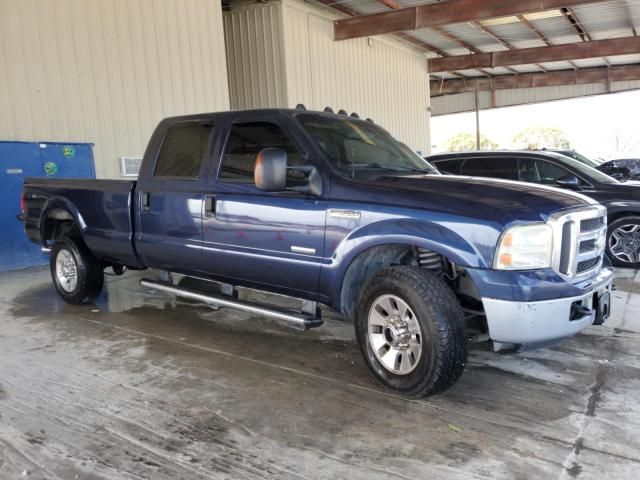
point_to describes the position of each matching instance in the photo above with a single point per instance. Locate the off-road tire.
(442, 325)
(90, 275)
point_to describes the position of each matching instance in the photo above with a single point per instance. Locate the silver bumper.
(531, 324)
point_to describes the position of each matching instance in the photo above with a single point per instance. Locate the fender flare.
(62, 209)
(428, 235)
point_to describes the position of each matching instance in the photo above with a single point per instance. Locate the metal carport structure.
(481, 52)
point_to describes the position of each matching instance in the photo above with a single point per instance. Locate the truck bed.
(103, 209)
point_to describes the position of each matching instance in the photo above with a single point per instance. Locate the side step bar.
(299, 321)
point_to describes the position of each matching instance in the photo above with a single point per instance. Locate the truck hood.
(492, 200)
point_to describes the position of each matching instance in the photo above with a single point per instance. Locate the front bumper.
(528, 325)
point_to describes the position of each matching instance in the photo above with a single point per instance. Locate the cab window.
(245, 142)
(183, 150)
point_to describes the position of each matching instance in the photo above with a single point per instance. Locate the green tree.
(542, 137)
(467, 141)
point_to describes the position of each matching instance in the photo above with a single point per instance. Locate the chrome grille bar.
(579, 241)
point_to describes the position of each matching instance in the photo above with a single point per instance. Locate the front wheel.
(623, 242)
(77, 274)
(411, 331)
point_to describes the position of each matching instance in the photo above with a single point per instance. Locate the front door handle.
(145, 201)
(209, 206)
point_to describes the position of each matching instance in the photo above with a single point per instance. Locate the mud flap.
(602, 304)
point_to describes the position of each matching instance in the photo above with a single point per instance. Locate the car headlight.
(525, 247)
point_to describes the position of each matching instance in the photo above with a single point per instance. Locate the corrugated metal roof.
(596, 21)
(554, 28)
(526, 68)
(431, 37)
(590, 62)
(556, 65)
(604, 20)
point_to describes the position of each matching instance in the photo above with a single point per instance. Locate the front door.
(268, 238)
(169, 199)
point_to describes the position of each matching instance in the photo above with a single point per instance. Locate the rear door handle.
(209, 206)
(145, 201)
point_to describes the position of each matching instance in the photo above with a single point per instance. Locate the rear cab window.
(183, 150)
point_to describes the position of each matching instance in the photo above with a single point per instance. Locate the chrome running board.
(299, 320)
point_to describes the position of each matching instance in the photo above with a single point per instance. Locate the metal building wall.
(283, 53)
(465, 102)
(378, 78)
(106, 71)
(255, 56)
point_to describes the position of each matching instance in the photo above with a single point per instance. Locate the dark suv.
(622, 199)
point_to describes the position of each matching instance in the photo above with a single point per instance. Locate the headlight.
(525, 247)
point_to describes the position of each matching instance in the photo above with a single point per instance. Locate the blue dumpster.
(33, 159)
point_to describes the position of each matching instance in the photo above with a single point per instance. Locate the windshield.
(581, 158)
(355, 147)
(587, 171)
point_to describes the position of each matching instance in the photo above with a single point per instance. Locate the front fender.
(464, 243)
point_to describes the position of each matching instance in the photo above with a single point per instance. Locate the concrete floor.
(144, 386)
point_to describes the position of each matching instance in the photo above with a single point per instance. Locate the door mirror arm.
(314, 180)
(569, 181)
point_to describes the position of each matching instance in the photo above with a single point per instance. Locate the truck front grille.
(579, 239)
(587, 246)
(587, 265)
(590, 224)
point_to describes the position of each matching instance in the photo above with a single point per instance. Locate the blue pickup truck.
(331, 209)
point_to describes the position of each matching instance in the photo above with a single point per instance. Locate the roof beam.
(500, 40)
(441, 13)
(539, 34)
(396, 6)
(415, 41)
(576, 24)
(555, 53)
(579, 27)
(632, 25)
(531, 80)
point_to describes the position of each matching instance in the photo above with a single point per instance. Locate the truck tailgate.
(103, 210)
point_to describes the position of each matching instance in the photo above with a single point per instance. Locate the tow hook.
(578, 311)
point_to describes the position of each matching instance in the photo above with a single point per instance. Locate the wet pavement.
(141, 385)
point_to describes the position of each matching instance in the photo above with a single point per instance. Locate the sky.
(594, 125)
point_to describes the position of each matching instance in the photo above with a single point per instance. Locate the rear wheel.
(77, 274)
(411, 331)
(623, 242)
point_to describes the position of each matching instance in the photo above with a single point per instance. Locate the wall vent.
(130, 166)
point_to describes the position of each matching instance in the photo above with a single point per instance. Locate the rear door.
(169, 198)
(494, 167)
(268, 238)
